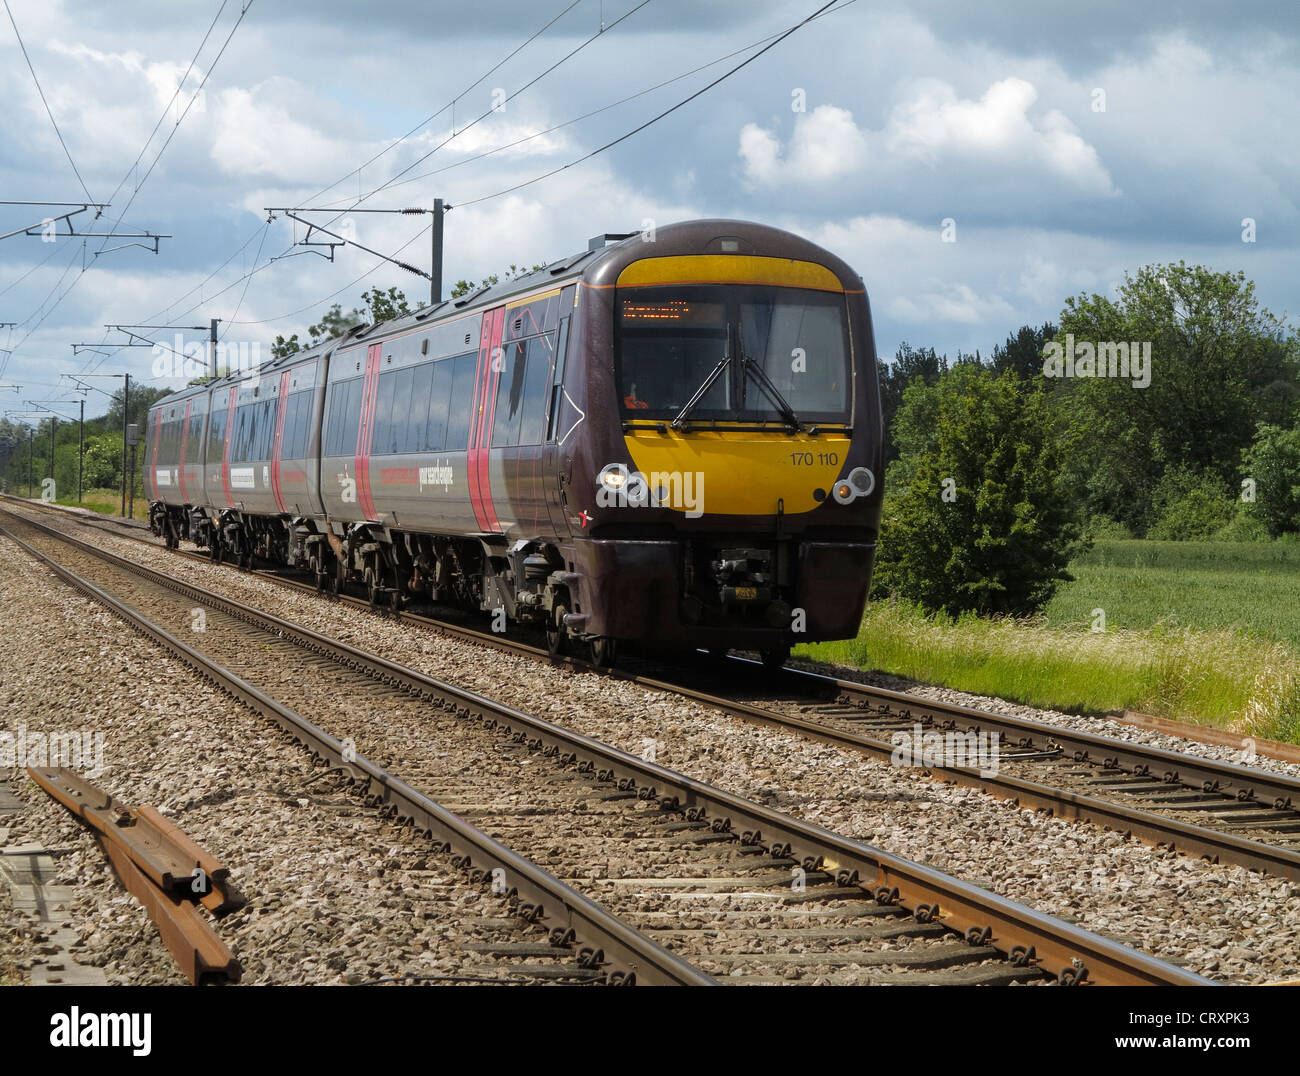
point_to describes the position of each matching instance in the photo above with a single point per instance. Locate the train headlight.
(860, 482)
(613, 476)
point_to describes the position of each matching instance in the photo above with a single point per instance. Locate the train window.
(337, 400)
(440, 405)
(302, 424)
(265, 427)
(557, 380)
(238, 435)
(217, 436)
(510, 397)
(775, 326)
(671, 338)
(461, 402)
(670, 341)
(417, 419)
(536, 380)
(382, 426)
(402, 407)
(195, 435)
(351, 418)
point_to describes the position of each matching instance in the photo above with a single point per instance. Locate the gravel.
(1224, 922)
(336, 895)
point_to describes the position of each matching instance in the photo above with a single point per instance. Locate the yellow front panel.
(729, 269)
(744, 473)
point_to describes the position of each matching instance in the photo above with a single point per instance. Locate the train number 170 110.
(806, 459)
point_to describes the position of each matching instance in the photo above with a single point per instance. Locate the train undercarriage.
(716, 595)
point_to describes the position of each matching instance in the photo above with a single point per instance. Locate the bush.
(1103, 528)
(1245, 526)
(1273, 462)
(984, 523)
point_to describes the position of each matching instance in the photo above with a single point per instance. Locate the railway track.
(1218, 811)
(635, 870)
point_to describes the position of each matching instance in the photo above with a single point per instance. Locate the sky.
(976, 164)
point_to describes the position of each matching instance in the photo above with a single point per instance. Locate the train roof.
(605, 257)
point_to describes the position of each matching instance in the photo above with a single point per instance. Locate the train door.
(490, 361)
(559, 415)
(152, 449)
(365, 431)
(277, 441)
(185, 444)
(225, 448)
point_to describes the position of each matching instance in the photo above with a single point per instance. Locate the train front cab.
(735, 500)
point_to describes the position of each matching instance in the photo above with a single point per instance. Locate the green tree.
(985, 522)
(1273, 463)
(910, 365)
(1219, 363)
(385, 305)
(1189, 506)
(1023, 352)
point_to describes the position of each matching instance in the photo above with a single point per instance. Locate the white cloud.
(933, 127)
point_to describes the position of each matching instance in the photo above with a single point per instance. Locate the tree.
(143, 397)
(1189, 506)
(1273, 464)
(385, 305)
(335, 323)
(909, 365)
(985, 522)
(1023, 352)
(1219, 363)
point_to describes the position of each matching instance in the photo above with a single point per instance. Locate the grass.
(107, 502)
(1206, 632)
(1254, 586)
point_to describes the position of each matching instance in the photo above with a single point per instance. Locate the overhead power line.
(48, 111)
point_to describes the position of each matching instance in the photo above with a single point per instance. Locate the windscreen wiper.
(765, 383)
(703, 390)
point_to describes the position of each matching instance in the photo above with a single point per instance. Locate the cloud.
(934, 128)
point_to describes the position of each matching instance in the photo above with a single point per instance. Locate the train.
(671, 439)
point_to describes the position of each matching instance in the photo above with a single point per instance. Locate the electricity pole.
(435, 262)
(439, 210)
(126, 405)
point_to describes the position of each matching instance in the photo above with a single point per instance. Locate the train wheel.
(775, 659)
(603, 652)
(557, 639)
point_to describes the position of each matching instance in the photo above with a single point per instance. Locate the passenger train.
(672, 438)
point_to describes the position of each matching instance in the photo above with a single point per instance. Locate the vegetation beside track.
(1201, 631)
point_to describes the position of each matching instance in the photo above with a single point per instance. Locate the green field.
(1251, 585)
(1203, 631)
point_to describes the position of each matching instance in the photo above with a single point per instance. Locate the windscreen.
(761, 346)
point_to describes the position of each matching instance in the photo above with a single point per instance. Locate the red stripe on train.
(277, 443)
(153, 455)
(225, 448)
(365, 430)
(185, 440)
